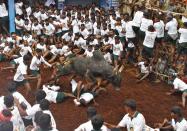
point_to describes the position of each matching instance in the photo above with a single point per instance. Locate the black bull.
(93, 67)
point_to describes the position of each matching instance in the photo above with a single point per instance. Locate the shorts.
(169, 39)
(130, 49)
(20, 83)
(133, 40)
(123, 39)
(115, 57)
(2, 57)
(147, 52)
(59, 34)
(182, 48)
(12, 62)
(35, 72)
(60, 97)
(159, 40)
(141, 35)
(135, 29)
(184, 91)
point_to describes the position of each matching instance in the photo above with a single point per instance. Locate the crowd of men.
(153, 42)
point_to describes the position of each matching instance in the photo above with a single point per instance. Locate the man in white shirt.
(19, 25)
(91, 112)
(171, 28)
(21, 77)
(176, 123)
(148, 43)
(179, 85)
(133, 120)
(137, 20)
(182, 43)
(117, 48)
(3, 18)
(179, 123)
(145, 23)
(49, 29)
(35, 64)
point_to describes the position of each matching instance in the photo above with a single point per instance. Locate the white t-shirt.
(32, 111)
(19, 23)
(85, 33)
(49, 29)
(66, 37)
(117, 48)
(129, 31)
(88, 53)
(41, 47)
(145, 24)
(136, 124)
(37, 15)
(43, 16)
(64, 22)
(21, 99)
(88, 127)
(18, 7)
(17, 120)
(75, 26)
(171, 27)
(159, 27)
(143, 68)
(149, 40)
(58, 24)
(94, 42)
(179, 84)
(27, 27)
(25, 50)
(50, 94)
(108, 58)
(18, 60)
(104, 32)
(2, 105)
(37, 29)
(29, 11)
(183, 36)
(80, 43)
(28, 38)
(35, 63)
(3, 10)
(20, 72)
(137, 18)
(120, 31)
(180, 126)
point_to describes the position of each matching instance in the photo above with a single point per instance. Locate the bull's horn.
(121, 69)
(115, 70)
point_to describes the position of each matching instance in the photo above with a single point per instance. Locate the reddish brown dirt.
(151, 100)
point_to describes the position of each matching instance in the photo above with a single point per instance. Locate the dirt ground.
(150, 97)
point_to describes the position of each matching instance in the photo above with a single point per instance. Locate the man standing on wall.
(3, 17)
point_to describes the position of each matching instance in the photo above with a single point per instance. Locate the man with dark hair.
(181, 86)
(45, 122)
(21, 77)
(88, 126)
(39, 96)
(3, 17)
(45, 105)
(97, 122)
(177, 123)
(133, 120)
(16, 117)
